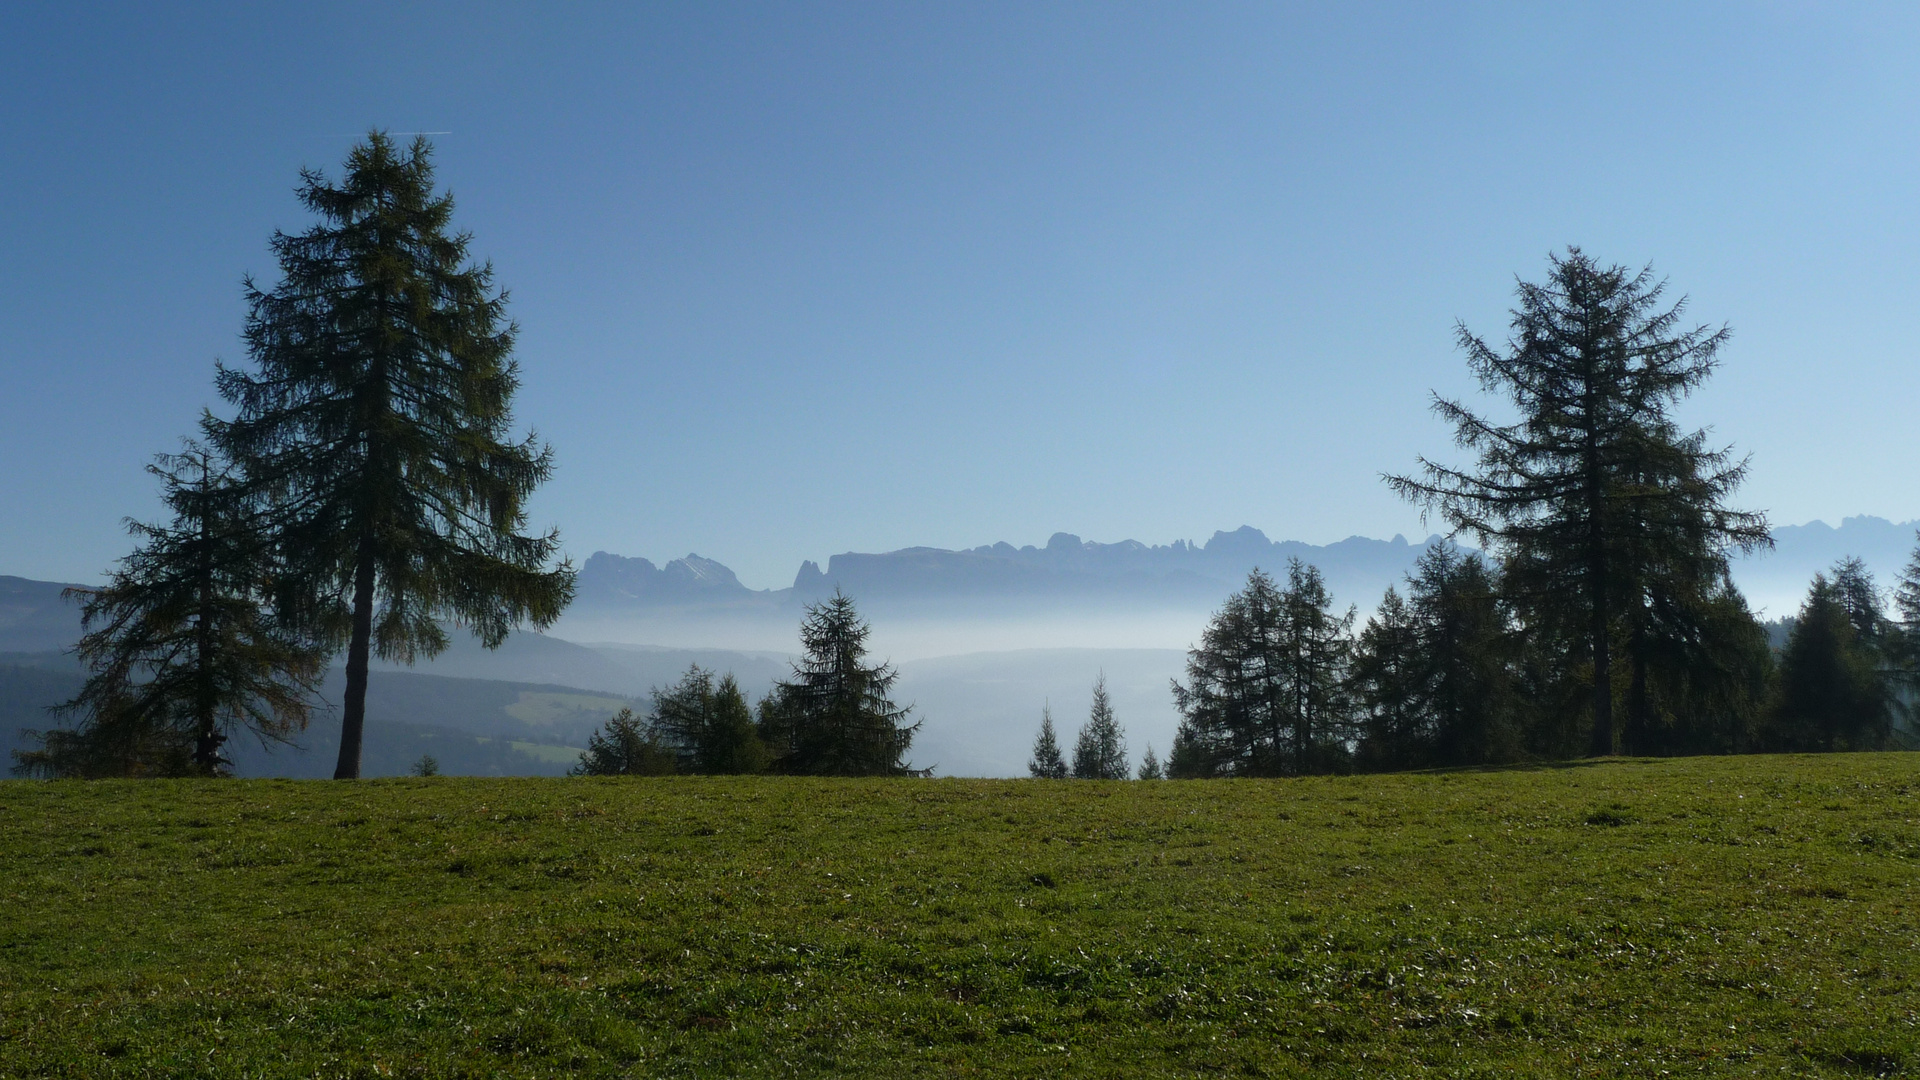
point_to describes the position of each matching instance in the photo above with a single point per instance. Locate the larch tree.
(179, 650)
(1429, 673)
(1387, 680)
(374, 429)
(1591, 494)
(1236, 703)
(836, 717)
(708, 725)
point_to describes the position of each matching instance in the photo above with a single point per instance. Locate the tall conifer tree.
(1592, 492)
(1265, 693)
(1100, 753)
(836, 717)
(375, 428)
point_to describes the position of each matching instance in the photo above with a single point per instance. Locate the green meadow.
(1735, 916)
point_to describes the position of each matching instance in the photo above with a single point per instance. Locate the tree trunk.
(1637, 736)
(354, 707)
(1602, 744)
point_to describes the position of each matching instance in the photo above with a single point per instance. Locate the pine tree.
(1833, 694)
(1100, 753)
(708, 726)
(375, 424)
(1388, 678)
(1319, 648)
(1150, 766)
(835, 717)
(1047, 764)
(179, 651)
(1431, 672)
(1854, 585)
(624, 747)
(1593, 493)
(1906, 594)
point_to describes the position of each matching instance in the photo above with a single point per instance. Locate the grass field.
(1729, 917)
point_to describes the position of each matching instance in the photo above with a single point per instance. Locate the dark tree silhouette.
(179, 651)
(1047, 763)
(1431, 673)
(708, 725)
(374, 427)
(1905, 648)
(1100, 753)
(624, 747)
(835, 718)
(1833, 694)
(1265, 692)
(1594, 497)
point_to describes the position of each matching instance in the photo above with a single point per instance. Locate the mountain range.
(1124, 610)
(1070, 571)
(1067, 569)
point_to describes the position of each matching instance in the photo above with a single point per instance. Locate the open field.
(1729, 917)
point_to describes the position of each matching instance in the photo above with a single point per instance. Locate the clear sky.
(801, 279)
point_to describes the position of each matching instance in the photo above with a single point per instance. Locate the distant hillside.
(474, 727)
(34, 618)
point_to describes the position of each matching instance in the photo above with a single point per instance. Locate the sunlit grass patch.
(1733, 917)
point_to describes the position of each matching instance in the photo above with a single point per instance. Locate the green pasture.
(1748, 916)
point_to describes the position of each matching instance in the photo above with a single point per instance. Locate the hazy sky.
(801, 279)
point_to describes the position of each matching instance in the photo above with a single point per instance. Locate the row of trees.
(364, 492)
(1603, 616)
(834, 717)
(1456, 672)
(1099, 752)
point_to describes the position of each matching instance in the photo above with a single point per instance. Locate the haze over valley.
(983, 638)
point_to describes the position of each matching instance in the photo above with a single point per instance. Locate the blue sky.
(795, 280)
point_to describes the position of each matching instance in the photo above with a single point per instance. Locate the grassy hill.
(1725, 917)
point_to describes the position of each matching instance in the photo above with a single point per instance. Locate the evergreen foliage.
(708, 725)
(1905, 647)
(1609, 520)
(1265, 692)
(624, 747)
(1100, 753)
(835, 718)
(1150, 766)
(1833, 694)
(180, 653)
(375, 426)
(1047, 763)
(1431, 675)
(1187, 760)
